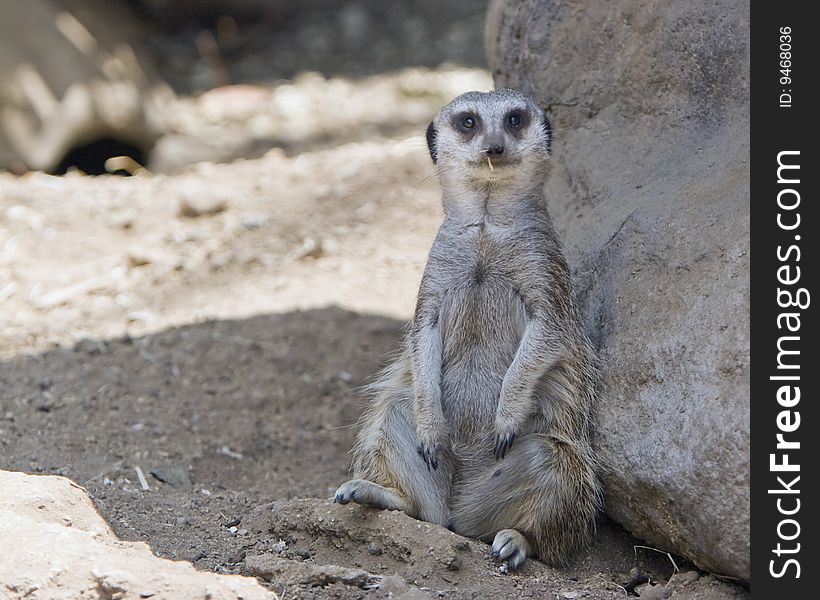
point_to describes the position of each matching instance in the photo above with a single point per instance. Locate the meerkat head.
(490, 136)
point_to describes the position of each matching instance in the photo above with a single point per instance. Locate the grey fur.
(483, 424)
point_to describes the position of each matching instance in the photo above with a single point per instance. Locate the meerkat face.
(490, 136)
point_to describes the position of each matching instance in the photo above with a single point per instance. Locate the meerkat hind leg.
(372, 494)
(386, 456)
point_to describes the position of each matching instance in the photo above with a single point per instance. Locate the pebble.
(648, 591)
(393, 584)
(204, 207)
(302, 553)
(174, 475)
(238, 556)
(685, 578)
(374, 549)
(311, 248)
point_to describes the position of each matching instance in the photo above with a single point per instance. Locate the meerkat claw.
(502, 444)
(429, 456)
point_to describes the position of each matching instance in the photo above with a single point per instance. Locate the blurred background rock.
(87, 80)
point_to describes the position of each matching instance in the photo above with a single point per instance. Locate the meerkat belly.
(482, 325)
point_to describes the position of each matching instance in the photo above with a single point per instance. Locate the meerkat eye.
(514, 119)
(468, 122)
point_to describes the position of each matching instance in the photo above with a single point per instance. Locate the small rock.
(685, 578)
(174, 475)
(201, 207)
(272, 568)
(653, 592)
(233, 522)
(393, 584)
(194, 556)
(374, 549)
(251, 223)
(135, 260)
(568, 595)
(238, 556)
(311, 248)
(302, 553)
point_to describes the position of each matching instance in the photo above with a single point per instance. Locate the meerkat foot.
(511, 546)
(372, 494)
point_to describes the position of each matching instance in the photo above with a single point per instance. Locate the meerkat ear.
(547, 130)
(431, 142)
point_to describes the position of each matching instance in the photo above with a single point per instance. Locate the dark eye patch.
(516, 120)
(466, 122)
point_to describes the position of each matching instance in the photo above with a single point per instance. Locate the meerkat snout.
(494, 150)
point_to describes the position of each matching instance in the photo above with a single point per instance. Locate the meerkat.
(483, 423)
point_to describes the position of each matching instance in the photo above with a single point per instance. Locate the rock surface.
(650, 191)
(53, 517)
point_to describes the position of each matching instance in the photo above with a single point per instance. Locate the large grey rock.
(650, 189)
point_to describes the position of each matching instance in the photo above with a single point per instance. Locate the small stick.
(141, 476)
(672, 560)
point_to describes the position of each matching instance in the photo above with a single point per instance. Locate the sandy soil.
(211, 327)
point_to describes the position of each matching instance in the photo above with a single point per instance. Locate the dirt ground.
(211, 327)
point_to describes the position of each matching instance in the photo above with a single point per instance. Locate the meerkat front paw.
(511, 546)
(504, 437)
(431, 446)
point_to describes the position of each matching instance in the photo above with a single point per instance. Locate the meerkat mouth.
(494, 164)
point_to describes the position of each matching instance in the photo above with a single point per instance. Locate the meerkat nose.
(494, 151)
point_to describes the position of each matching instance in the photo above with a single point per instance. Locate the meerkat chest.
(481, 308)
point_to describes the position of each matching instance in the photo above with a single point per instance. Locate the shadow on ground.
(228, 421)
(249, 411)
